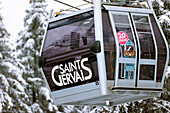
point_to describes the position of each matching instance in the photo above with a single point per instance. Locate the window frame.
(146, 83)
(121, 82)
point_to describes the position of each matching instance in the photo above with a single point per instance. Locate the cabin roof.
(70, 6)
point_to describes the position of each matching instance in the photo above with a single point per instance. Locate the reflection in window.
(73, 34)
(126, 70)
(162, 53)
(109, 46)
(147, 72)
(145, 37)
(147, 46)
(67, 46)
(123, 19)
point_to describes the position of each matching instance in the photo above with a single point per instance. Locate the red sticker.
(122, 37)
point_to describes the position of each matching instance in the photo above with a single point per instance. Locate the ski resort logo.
(71, 72)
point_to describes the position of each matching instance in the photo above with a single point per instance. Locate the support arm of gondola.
(66, 4)
(88, 2)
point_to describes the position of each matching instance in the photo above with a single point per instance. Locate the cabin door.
(147, 62)
(126, 56)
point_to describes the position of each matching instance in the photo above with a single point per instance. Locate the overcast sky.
(13, 12)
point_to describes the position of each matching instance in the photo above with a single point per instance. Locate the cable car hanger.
(67, 4)
(72, 7)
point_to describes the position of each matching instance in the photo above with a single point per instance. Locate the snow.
(27, 109)
(20, 79)
(5, 99)
(163, 18)
(1, 100)
(11, 66)
(33, 80)
(8, 99)
(1, 56)
(29, 44)
(44, 91)
(4, 82)
(36, 108)
(15, 83)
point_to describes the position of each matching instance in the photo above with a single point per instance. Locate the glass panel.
(109, 46)
(69, 61)
(140, 19)
(118, 18)
(140, 27)
(69, 20)
(145, 37)
(162, 52)
(72, 36)
(125, 36)
(146, 46)
(147, 72)
(126, 71)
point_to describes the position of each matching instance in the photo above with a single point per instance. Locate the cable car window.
(145, 37)
(123, 19)
(69, 61)
(70, 20)
(146, 72)
(127, 47)
(147, 46)
(109, 46)
(125, 36)
(162, 52)
(72, 35)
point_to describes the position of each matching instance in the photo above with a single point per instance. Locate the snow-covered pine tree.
(29, 42)
(162, 11)
(5, 99)
(12, 90)
(165, 18)
(165, 24)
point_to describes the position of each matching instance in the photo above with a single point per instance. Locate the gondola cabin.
(112, 53)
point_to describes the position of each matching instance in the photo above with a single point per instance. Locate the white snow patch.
(50, 107)
(164, 18)
(4, 82)
(1, 55)
(36, 108)
(11, 66)
(163, 106)
(5, 99)
(27, 108)
(17, 84)
(34, 79)
(1, 100)
(9, 99)
(44, 91)
(29, 44)
(19, 77)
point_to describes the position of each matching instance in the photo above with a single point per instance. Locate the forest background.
(22, 88)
